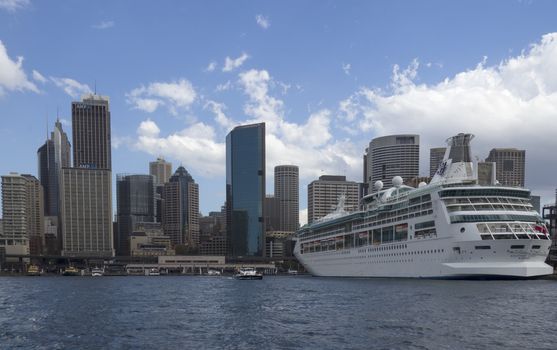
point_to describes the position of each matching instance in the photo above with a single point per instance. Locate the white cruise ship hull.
(417, 259)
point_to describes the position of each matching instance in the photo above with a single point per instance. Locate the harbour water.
(275, 313)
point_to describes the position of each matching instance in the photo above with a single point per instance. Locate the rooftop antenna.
(95, 86)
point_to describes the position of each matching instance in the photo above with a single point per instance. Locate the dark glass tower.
(52, 156)
(91, 133)
(245, 190)
(135, 203)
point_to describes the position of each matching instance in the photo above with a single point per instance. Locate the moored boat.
(452, 227)
(71, 271)
(97, 272)
(33, 270)
(248, 273)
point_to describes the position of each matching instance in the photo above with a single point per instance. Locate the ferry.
(97, 272)
(71, 271)
(248, 273)
(449, 228)
(33, 270)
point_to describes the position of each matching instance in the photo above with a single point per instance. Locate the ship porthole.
(462, 229)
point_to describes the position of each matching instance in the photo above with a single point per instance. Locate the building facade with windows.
(324, 194)
(510, 165)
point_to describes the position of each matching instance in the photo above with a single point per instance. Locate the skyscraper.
(390, 156)
(52, 156)
(510, 164)
(287, 193)
(22, 212)
(91, 132)
(86, 212)
(135, 195)
(324, 194)
(161, 170)
(436, 156)
(245, 190)
(181, 209)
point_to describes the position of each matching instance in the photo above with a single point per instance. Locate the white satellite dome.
(378, 185)
(421, 184)
(397, 181)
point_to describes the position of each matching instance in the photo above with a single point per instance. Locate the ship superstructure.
(451, 227)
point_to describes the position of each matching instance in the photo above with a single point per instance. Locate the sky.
(325, 76)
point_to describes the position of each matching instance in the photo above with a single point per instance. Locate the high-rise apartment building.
(436, 156)
(390, 156)
(161, 170)
(52, 157)
(91, 132)
(181, 209)
(245, 190)
(86, 207)
(510, 165)
(23, 214)
(287, 193)
(272, 213)
(324, 194)
(135, 198)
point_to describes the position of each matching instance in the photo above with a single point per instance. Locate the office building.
(52, 157)
(161, 170)
(272, 213)
(181, 209)
(212, 231)
(245, 190)
(86, 209)
(135, 197)
(91, 132)
(510, 164)
(390, 156)
(287, 193)
(23, 214)
(436, 156)
(324, 194)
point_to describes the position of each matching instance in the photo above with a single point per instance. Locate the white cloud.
(39, 77)
(211, 66)
(71, 87)
(224, 87)
(232, 63)
(346, 68)
(196, 147)
(103, 25)
(12, 75)
(173, 95)
(511, 104)
(14, 5)
(220, 116)
(263, 21)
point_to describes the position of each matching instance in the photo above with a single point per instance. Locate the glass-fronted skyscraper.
(135, 203)
(245, 190)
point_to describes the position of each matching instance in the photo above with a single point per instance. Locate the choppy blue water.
(276, 313)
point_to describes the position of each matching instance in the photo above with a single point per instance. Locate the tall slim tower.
(245, 190)
(287, 193)
(52, 157)
(91, 132)
(181, 209)
(390, 156)
(161, 170)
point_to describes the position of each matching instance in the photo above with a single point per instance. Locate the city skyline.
(360, 87)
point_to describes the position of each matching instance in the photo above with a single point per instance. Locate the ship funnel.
(457, 165)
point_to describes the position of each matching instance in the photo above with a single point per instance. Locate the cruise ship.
(449, 228)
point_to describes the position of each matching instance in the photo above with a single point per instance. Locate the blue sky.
(326, 76)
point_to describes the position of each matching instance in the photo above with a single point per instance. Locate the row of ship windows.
(514, 236)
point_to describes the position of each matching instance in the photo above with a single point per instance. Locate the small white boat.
(292, 272)
(154, 272)
(248, 273)
(213, 273)
(96, 272)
